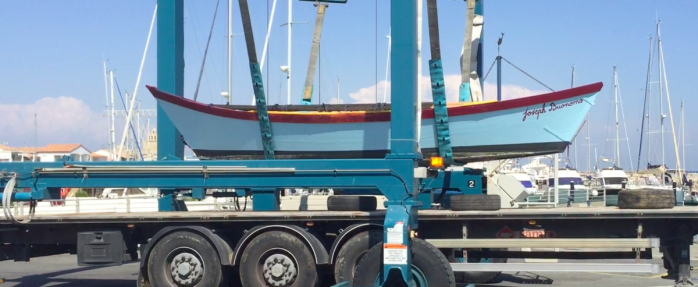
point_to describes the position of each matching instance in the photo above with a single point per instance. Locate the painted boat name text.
(551, 108)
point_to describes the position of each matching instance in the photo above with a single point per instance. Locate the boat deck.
(679, 212)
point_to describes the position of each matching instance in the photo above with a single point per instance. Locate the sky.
(52, 53)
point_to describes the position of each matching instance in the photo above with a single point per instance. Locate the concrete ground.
(62, 270)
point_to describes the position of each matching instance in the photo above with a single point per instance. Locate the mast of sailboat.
(661, 92)
(387, 69)
(668, 98)
(647, 107)
(575, 138)
(230, 50)
(108, 109)
(683, 137)
(112, 112)
(288, 53)
(615, 99)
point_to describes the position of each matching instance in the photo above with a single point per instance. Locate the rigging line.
(133, 131)
(625, 126)
(489, 70)
(194, 18)
(208, 42)
(527, 74)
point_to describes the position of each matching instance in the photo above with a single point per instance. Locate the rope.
(527, 74)
(490, 69)
(203, 63)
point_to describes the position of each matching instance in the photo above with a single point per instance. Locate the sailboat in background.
(660, 170)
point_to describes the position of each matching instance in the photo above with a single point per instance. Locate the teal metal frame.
(394, 176)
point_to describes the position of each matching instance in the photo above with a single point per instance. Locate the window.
(565, 181)
(615, 180)
(527, 183)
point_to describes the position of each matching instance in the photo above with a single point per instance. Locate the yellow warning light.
(437, 162)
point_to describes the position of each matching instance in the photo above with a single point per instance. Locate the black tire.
(187, 246)
(464, 202)
(351, 253)
(646, 199)
(141, 282)
(425, 257)
(289, 249)
(351, 203)
(476, 276)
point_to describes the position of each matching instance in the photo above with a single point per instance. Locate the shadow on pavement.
(518, 278)
(49, 278)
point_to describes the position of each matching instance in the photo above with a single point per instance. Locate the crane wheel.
(429, 266)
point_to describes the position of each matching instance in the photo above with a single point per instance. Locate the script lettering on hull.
(548, 107)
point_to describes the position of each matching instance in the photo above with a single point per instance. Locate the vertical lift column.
(170, 69)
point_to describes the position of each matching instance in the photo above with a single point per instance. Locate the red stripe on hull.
(382, 116)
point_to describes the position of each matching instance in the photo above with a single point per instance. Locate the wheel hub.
(279, 270)
(186, 269)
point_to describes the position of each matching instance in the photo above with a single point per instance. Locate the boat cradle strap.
(262, 112)
(438, 92)
(257, 83)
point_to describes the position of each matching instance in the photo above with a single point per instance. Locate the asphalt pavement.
(62, 270)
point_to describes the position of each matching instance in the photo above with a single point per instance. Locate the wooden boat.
(535, 125)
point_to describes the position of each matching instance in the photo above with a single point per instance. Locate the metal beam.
(557, 267)
(547, 243)
(170, 71)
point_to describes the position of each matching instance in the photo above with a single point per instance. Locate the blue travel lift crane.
(397, 176)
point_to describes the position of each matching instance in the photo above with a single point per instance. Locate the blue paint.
(464, 92)
(310, 100)
(438, 92)
(19, 196)
(198, 193)
(265, 199)
(403, 55)
(170, 70)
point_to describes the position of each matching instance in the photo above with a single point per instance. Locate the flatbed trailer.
(488, 238)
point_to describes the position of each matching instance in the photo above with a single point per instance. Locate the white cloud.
(59, 120)
(452, 82)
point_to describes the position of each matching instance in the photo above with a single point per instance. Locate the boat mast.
(668, 99)
(387, 69)
(112, 129)
(575, 138)
(288, 53)
(106, 98)
(647, 107)
(683, 137)
(661, 91)
(230, 50)
(615, 98)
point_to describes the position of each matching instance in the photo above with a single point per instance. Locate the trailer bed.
(679, 212)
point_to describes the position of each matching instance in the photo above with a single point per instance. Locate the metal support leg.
(397, 260)
(169, 202)
(683, 277)
(265, 199)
